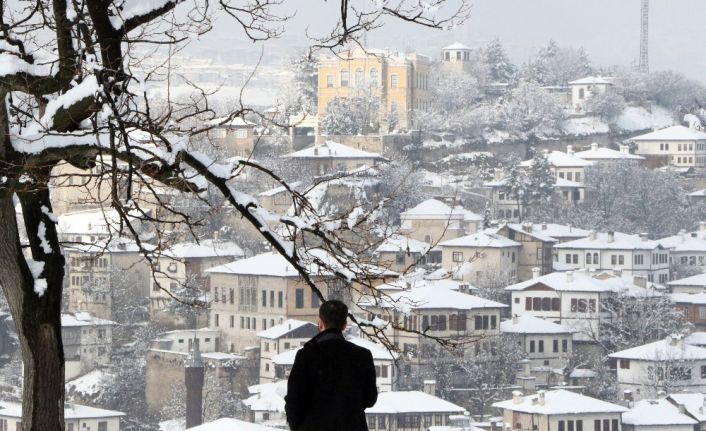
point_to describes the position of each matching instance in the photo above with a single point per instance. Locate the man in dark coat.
(333, 380)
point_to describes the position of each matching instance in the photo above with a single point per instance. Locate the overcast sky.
(608, 29)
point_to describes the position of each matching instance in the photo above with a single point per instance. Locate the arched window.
(373, 76)
(588, 258)
(359, 77)
(595, 258)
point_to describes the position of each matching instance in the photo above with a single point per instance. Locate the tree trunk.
(37, 318)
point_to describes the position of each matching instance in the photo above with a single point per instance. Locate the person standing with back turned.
(332, 381)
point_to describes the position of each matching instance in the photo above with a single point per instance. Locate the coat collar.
(327, 335)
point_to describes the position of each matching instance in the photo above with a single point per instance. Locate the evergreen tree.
(305, 85)
(500, 67)
(540, 179)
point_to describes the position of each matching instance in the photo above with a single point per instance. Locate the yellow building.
(401, 81)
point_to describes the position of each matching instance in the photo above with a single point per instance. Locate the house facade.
(281, 338)
(330, 157)
(433, 221)
(677, 146)
(76, 418)
(471, 257)
(546, 343)
(410, 411)
(87, 343)
(585, 88)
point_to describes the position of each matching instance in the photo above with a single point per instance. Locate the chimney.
(535, 272)
(644, 236)
(544, 226)
(592, 235)
(517, 397)
(527, 227)
(515, 319)
(430, 387)
(682, 408)
(569, 276)
(316, 151)
(493, 426)
(702, 225)
(193, 378)
(640, 280)
(625, 149)
(627, 395)
(540, 397)
(215, 235)
(570, 150)
(611, 236)
(594, 146)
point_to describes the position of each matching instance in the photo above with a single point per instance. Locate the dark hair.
(334, 314)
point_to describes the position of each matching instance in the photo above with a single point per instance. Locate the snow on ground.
(636, 118)
(584, 126)
(87, 385)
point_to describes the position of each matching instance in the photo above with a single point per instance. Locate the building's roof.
(88, 385)
(437, 210)
(559, 183)
(379, 352)
(685, 241)
(694, 404)
(656, 412)
(456, 45)
(592, 80)
(583, 281)
(271, 192)
(205, 248)
(233, 122)
(689, 298)
(698, 280)
(481, 240)
(229, 424)
(267, 397)
(698, 193)
(214, 356)
(397, 402)
(274, 264)
(113, 245)
(89, 222)
(697, 338)
(283, 329)
(601, 241)
(603, 153)
(527, 324)
(430, 298)
(531, 230)
(670, 349)
(82, 318)
(330, 149)
(558, 231)
(560, 159)
(71, 411)
(412, 283)
(559, 402)
(673, 133)
(399, 243)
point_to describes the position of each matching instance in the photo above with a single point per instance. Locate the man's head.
(333, 314)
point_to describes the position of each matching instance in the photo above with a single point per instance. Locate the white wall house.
(564, 165)
(281, 338)
(181, 340)
(410, 411)
(633, 254)
(693, 284)
(87, 343)
(676, 146)
(559, 410)
(400, 253)
(657, 415)
(506, 207)
(469, 257)
(330, 157)
(607, 155)
(694, 405)
(669, 365)
(432, 221)
(76, 418)
(585, 88)
(266, 404)
(546, 343)
(687, 250)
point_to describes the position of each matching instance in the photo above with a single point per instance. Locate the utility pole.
(644, 64)
(194, 378)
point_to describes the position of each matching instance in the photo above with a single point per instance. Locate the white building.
(507, 208)
(633, 254)
(432, 221)
(687, 250)
(693, 284)
(559, 410)
(666, 365)
(564, 165)
(546, 343)
(676, 146)
(181, 340)
(694, 405)
(87, 343)
(76, 418)
(400, 253)
(266, 404)
(657, 415)
(280, 338)
(606, 155)
(585, 88)
(330, 157)
(410, 411)
(470, 256)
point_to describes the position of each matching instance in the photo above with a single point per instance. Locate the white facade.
(546, 343)
(76, 418)
(87, 343)
(677, 146)
(585, 88)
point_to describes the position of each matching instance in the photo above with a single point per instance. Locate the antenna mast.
(644, 65)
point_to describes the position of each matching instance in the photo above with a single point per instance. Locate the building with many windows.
(410, 411)
(547, 344)
(677, 146)
(399, 81)
(281, 338)
(432, 221)
(471, 257)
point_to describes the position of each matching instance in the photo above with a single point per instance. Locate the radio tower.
(644, 65)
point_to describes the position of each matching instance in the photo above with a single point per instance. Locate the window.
(359, 77)
(625, 364)
(382, 422)
(232, 321)
(595, 259)
(371, 422)
(264, 298)
(399, 259)
(588, 259)
(528, 303)
(103, 426)
(299, 298)
(447, 56)
(247, 286)
(574, 304)
(614, 259)
(582, 93)
(215, 319)
(556, 304)
(215, 293)
(280, 299)
(615, 425)
(373, 77)
(592, 305)
(621, 260)
(579, 425)
(540, 346)
(457, 256)
(231, 296)
(393, 80)
(329, 81)
(576, 258)
(272, 298)
(344, 78)
(531, 347)
(555, 346)
(639, 259)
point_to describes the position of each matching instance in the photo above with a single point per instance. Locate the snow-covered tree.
(351, 115)
(530, 109)
(516, 186)
(188, 301)
(540, 180)
(305, 85)
(73, 80)
(500, 67)
(608, 105)
(554, 65)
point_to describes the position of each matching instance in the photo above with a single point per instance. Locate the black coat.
(331, 384)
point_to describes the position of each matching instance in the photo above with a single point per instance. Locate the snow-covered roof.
(670, 349)
(602, 241)
(267, 397)
(230, 424)
(558, 183)
(233, 122)
(592, 80)
(689, 298)
(398, 243)
(603, 153)
(400, 402)
(698, 193)
(112, 245)
(88, 385)
(560, 159)
(656, 412)
(205, 248)
(481, 240)
(275, 265)
(559, 402)
(71, 411)
(694, 404)
(280, 189)
(430, 298)
(696, 339)
(557, 231)
(530, 230)
(580, 281)
(379, 352)
(330, 149)
(685, 241)
(89, 222)
(456, 45)
(673, 133)
(698, 280)
(413, 283)
(283, 329)
(437, 210)
(82, 318)
(582, 373)
(527, 324)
